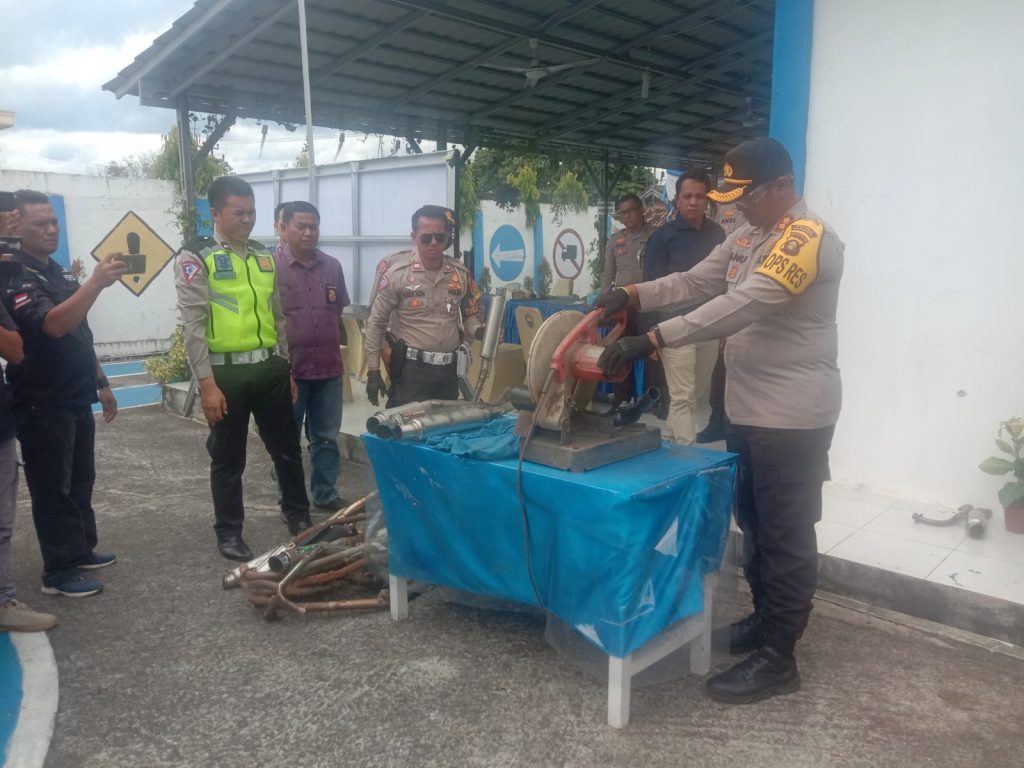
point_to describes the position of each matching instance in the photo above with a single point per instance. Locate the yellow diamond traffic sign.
(143, 249)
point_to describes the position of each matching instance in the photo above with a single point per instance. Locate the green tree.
(567, 181)
(166, 165)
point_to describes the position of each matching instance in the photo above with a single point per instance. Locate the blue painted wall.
(62, 255)
(791, 80)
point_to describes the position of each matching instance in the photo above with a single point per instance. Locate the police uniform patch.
(21, 300)
(455, 285)
(791, 247)
(383, 282)
(189, 269)
(784, 222)
(265, 262)
(743, 242)
(332, 294)
(793, 260)
(734, 270)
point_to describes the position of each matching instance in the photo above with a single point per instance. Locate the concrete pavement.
(166, 669)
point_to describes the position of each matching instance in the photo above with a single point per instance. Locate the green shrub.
(170, 367)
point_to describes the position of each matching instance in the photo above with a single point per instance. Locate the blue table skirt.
(618, 552)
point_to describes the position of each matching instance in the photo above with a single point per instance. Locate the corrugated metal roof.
(439, 69)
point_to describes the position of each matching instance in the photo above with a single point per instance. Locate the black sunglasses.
(437, 237)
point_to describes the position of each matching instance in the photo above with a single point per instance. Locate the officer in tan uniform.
(780, 277)
(729, 218)
(429, 304)
(622, 255)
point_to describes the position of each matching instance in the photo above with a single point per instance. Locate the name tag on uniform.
(265, 262)
(222, 267)
(332, 294)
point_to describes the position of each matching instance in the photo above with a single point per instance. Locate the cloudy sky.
(55, 56)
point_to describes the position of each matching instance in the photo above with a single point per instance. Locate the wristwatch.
(101, 382)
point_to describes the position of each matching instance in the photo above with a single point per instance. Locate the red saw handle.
(579, 351)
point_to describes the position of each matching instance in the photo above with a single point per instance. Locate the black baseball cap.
(750, 164)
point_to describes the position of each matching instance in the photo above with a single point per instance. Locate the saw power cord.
(522, 497)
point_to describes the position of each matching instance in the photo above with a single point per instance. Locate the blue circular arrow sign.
(507, 253)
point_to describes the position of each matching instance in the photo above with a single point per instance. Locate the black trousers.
(58, 448)
(781, 472)
(423, 381)
(263, 390)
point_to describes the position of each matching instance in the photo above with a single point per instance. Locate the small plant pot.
(1014, 517)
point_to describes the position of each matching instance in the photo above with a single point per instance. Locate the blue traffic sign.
(507, 253)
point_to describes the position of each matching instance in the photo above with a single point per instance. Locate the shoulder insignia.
(784, 222)
(255, 245)
(198, 244)
(793, 260)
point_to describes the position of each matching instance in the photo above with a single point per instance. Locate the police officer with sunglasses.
(428, 303)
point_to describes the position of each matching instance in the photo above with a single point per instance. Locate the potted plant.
(1011, 495)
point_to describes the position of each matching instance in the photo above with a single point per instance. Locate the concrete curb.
(30, 741)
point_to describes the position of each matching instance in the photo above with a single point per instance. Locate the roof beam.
(215, 61)
(658, 115)
(440, 8)
(710, 65)
(366, 46)
(493, 53)
(211, 12)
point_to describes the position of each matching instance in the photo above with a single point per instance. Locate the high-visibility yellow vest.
(240, 317)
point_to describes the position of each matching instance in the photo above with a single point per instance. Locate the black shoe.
(766, 673)
(295, 527)
(713, 432)
(336, 504)
(743, 636)
(233, 548)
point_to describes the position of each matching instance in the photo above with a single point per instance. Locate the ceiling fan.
(535, 72)
(751, 120)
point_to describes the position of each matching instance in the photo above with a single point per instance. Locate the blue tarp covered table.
(619, 553)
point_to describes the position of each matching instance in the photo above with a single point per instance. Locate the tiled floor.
(873, 529)
(878, 530)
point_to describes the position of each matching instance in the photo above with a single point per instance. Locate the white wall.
(914, 154)
(123, 324)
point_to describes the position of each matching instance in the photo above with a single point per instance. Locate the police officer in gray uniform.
(779, 279)
(430, 304)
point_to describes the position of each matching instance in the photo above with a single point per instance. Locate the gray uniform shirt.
(622, 264)
(192, 284)
(425, 309)
(779, 312)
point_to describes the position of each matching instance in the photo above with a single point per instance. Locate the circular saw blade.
(550, 334)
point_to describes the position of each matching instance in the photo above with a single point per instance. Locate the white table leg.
(700, 647)
(398, 588)
(620, 675)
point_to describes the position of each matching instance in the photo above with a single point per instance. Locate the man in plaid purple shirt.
(313, 295)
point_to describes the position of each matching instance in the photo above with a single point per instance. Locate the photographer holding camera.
(53, 390)
(15, 616)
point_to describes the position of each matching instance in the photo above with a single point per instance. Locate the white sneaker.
(18, 617)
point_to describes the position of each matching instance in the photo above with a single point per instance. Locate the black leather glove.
(615, 300)
(625, 351)
(375, 387)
